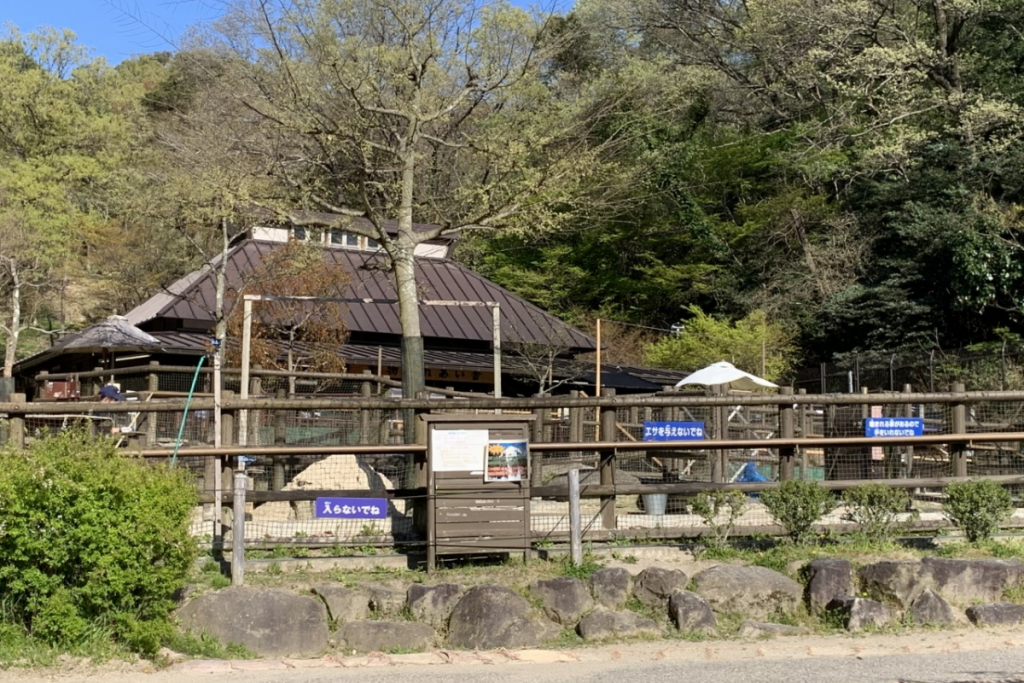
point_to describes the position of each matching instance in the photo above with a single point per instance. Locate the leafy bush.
(710, 505)
(875, 508)
(796, 505)
(92, 540)
(977, 508)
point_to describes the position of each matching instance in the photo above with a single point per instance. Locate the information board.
(893, 426)
(673, 431)
(459, 450)
(351, 508)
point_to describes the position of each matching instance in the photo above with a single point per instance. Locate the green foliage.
(977, 508)
(582, 571)
(875, 508)
(719, 510)
(745, 343)
(797, 505)
(92, 540)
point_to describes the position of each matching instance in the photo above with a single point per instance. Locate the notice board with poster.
(478, 476)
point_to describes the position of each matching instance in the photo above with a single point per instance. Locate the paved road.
(943, 657)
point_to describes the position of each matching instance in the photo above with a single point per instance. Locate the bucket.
(655, 503)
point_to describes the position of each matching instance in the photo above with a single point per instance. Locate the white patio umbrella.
(728, 374)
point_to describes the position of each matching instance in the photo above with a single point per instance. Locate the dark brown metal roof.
(191, 300)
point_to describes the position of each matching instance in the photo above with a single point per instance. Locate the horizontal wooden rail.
(595, 490)
(269, 496)
(204, 451)
(489, 403)
(802, 442)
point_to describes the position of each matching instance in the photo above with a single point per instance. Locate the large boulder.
(344, 604)
(333, 473)
(655, 585)
(754, 591)
(433, 604)
(996, 614)
(563, 600)
(930, 608)
(386, 636)
(691, 613)
(858, 614)
(971, 581)
(602, 625)
(488, 617)
(385, 601)
(827, 579)
(611, 586)
(269, 622)
(894, 581)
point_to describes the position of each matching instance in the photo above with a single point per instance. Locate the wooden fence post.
(224, 465)
(787, 466)
(537, 436)
(16, 422)
(152, 386)
(365, 392)
(606, 462)
(802, 426)
(280, 438)
(958, 451)
(908, 452)
(720, 457)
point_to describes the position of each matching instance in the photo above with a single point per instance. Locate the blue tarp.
(750, 475)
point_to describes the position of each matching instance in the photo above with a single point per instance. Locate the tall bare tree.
(426, 118)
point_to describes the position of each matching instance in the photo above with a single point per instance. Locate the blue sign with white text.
(893, 426)
(351, 508)
(673, 431)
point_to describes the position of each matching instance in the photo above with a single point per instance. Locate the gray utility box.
(478, 483)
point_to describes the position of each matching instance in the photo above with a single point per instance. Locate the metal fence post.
(787, 466)
(238, 531)
(537, 436)
(606, 463)
(575, 525)
(958, 451)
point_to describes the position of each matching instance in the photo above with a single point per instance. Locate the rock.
(269, 622)
(930, 608)
(386, 636)
(971, 581)
(827, 579)
(611, 586)
(691, 613)
(335, 472)
(860, 613)
(384, 600)
(344, 604)
(996, 614)
(754, 591)
(760, 629)
(897, 582)
(655, 585)
(603, 625)
(489, 617)
(563, 600)
(433, 604)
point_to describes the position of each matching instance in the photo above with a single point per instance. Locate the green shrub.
(719, 510)
(977, 508)
(91, 540)
(797, 505)
(875, 509)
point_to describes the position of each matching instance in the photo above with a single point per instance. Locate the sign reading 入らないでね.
(673, 431)
(893, 426)
(351, 508)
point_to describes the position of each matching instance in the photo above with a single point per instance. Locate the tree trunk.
(413, 380)
(14, 333)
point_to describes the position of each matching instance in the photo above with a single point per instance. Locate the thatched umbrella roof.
(113, 334)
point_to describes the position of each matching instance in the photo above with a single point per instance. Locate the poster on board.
(458, 450)
(507, 460)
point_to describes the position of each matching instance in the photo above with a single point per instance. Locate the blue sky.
(115, 29)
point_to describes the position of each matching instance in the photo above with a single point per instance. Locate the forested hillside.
(830, 177)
